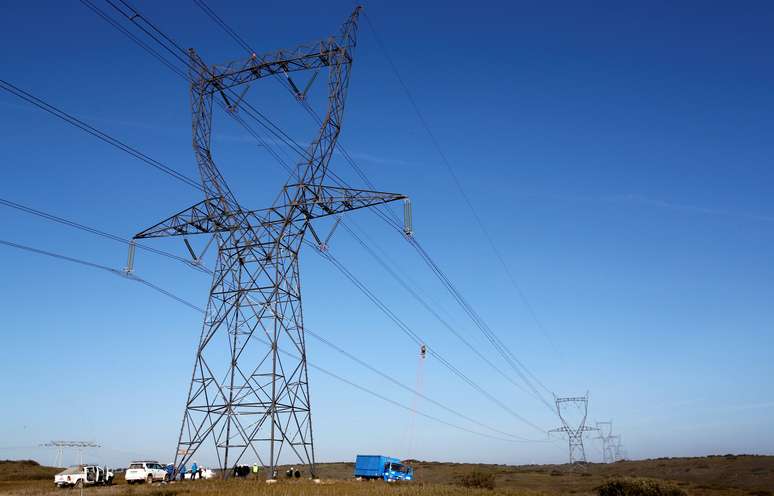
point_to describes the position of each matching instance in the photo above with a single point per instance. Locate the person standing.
(255, 470)
(182, 472)
(194, 470)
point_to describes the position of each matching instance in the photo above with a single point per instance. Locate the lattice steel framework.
(605, 430)
(249, 392)
(574, 433)
(78, 446)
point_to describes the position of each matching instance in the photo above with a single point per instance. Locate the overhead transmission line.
(419, 341)
(145, 158)
(460, 188)
(338, 377)
(493, 339)
(328, 343)
(60, 220)
(86, 263)
(178, 52)
(445, 323)
(516, 365)
(294, 91)
(499, 346)
(15, 90)
(136, 15)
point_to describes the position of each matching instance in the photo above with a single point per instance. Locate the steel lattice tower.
(574, 434)
(249, 392)
(608, 441)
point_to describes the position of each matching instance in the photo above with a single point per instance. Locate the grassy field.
(708, 476)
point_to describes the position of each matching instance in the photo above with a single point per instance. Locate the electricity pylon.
(618, 449)
(574, 433)
(608, 441)
(249, 391)
(60, 446)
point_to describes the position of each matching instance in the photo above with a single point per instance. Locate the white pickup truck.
(83, 475)
(145, 471)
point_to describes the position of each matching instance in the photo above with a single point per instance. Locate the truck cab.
(369, 467)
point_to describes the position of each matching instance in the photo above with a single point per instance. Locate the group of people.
(196, 472)
(246, 470)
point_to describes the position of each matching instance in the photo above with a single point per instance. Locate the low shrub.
(485, 480)
(638, 487)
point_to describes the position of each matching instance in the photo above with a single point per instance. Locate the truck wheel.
(78, 484)
(150, 479)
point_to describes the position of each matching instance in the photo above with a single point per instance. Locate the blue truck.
(382, 467)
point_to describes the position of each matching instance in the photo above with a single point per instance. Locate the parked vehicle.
(145, 471)
(382, 467)
(84, 475)
(205, 473)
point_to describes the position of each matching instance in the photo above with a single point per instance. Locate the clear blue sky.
(620, 156)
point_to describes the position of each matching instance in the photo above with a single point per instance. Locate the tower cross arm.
(322, 201)
(311, 56)
(560, 429)
(205, 217)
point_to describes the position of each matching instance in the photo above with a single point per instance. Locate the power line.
(460, 188)
(396, 403)
(419, 341)
(286, 83)
(199, 309)
(16, 91)
(82, 227)
(215, 17)
(144, 24)
(521, 370)
(185, 60)
(101, 267)
(427, 307)
(218, 20)
(135, 16)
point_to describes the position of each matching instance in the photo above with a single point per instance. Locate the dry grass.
(709, 476)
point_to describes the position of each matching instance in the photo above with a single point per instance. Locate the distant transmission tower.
(608, 441)
(619, 452)
(574, 432)
(249, 392)
(60, 446)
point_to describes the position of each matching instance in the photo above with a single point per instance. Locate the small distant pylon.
(608, 441)
(574, 433)
(60, 446)
(618, 449)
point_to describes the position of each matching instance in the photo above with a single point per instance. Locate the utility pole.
(249, 390)
(574, 430)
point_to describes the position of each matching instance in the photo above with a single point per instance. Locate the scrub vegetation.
(727, 475)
